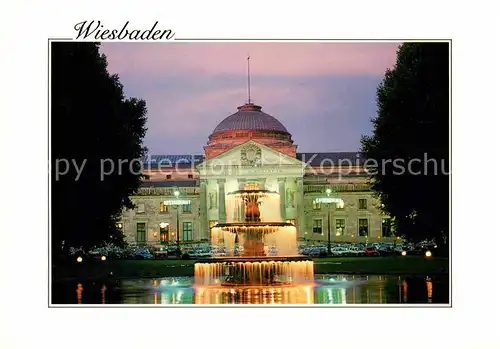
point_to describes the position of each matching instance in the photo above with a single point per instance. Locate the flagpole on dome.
(248, 77)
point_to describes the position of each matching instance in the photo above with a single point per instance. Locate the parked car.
(353, 250)
(339, 250)
(161, 253)
(372, 251)
(143, 253)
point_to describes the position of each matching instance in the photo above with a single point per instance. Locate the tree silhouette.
(94, 127)
(413, 123)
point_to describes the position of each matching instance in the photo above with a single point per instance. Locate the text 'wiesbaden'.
(96, 30)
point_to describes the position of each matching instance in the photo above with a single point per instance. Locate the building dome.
(250, 117)
(249, 123)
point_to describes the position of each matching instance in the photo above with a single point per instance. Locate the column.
(282, 192)
(222, 200)
(204, 233)
(241, 207)
(300, 206)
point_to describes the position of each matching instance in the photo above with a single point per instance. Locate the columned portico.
(251, 163)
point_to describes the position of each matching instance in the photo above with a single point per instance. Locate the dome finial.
(248, 77)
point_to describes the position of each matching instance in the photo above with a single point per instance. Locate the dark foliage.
(91, 121)
(413, 123)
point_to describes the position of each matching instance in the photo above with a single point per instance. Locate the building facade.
(253, 148)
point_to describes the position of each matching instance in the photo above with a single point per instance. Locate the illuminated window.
(141, 208)
(363, 227)
(163, 207)
(317, 226)
(119, 225)
(186, 208)
(316, 205)
(339, 227)
(362, 204)
(386, 227)
(141, 232)
(187, 231)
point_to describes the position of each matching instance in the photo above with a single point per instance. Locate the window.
(362, 204)
(163, 207)
(164, 235)
(141, 232)
(190, 176)
(317, 226)
(386, 227)
(168, 177)
(186, 208)
(363, 227)
(340, 206)
(187, 231)
(292, 221)
(141, 208)
(339, 227)
(316, 205)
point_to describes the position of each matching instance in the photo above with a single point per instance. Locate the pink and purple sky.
(323, 93)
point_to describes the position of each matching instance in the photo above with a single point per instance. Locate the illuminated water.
(327, 289)
(248, 272)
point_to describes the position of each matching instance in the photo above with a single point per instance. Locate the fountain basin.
(253, 259)
(254, 271)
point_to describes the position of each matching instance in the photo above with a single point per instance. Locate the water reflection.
(303, 294)
(428, 283)
(328, 289)
(79, 292)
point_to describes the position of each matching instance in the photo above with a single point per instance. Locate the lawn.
(395, 265)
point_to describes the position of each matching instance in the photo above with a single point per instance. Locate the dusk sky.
(323, 93)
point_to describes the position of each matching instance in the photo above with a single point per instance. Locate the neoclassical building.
(251, 147)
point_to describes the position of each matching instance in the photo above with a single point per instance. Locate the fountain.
(259, 253)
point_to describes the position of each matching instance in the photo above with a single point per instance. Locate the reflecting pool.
(326, 289)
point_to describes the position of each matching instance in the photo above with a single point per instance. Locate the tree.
(408, 153)
(96, 134)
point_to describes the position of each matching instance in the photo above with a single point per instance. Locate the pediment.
(251, 154)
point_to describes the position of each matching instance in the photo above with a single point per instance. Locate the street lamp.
(328, 192)
(328, 199)
(176, 203)
(176, 193)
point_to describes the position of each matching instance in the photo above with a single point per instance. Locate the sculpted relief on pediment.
(251, 155)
